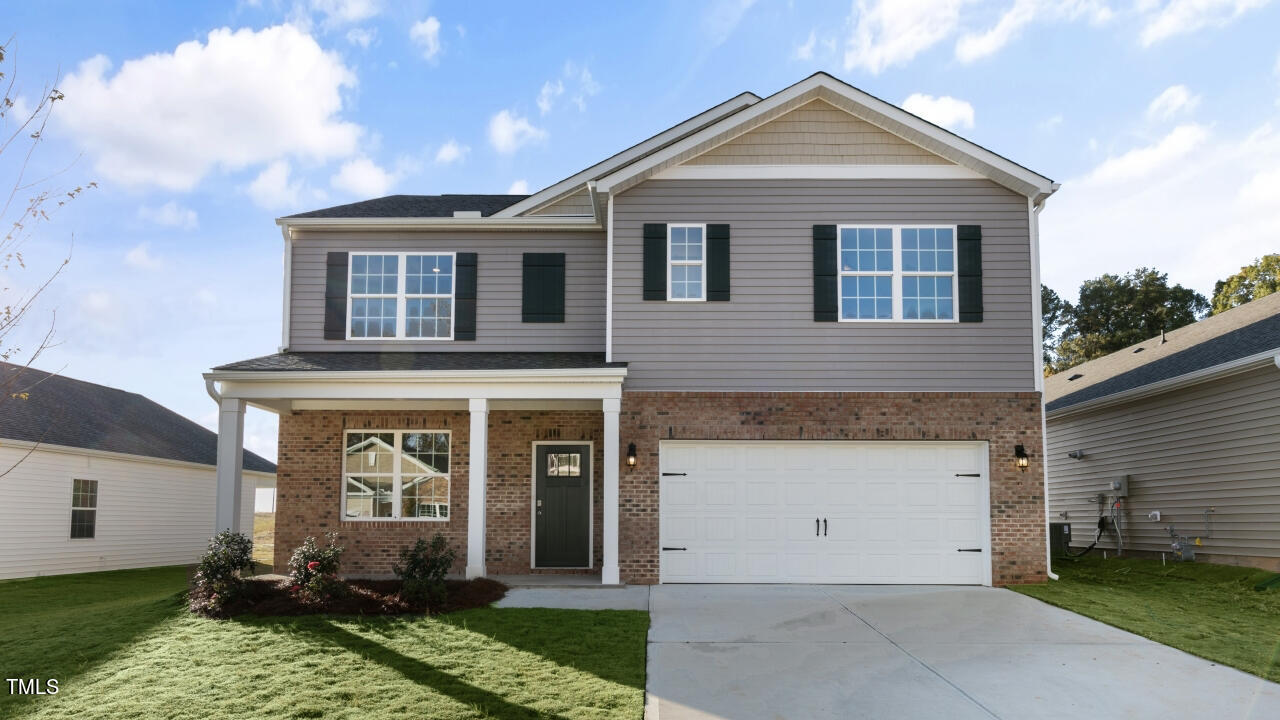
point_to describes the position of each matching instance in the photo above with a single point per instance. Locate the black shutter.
(335, 296)
(542, 293)
(464, 298)
(969, 271)
(824, 274)
(718, 262)
(655, 261)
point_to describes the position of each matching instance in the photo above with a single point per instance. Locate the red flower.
(295, 588)
(313, 565)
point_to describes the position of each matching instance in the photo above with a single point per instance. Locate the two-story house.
(791, 339)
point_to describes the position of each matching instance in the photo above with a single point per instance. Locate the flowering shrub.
(313, 570)
(217, 580)
(422, 569)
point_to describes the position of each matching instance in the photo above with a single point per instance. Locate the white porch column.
(477, 474)
(609, 573)
(230, 464)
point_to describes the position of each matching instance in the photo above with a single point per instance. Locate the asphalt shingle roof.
(365, 361)
(416, 206)
(62, 411)
(1247, 330)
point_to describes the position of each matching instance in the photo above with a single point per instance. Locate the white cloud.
(546, 97)
(273, 188)
(170, 214)
(363, 37)
(892, 32)
(519, 187)
(364, 178)
(1050, 124)
(239, 99)
(345, 12)
(977, 45)
(451, 152)
(1173, 101)
(1261, 190)
(804, 51)
(946, 111)
(140, 257)
(509, 132)
(426, 35)
(1164, 20)
(1144, 162)
(721, 19)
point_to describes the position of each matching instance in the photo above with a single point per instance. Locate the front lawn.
(1207, 610)
(122, 644)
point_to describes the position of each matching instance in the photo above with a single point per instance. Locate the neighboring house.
(102, 479)
(1192, 420)
(791, 339)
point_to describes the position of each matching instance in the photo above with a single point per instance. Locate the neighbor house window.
(685, 259)
(402, 296)
(897, 273)
(84, 508)
(396, 474)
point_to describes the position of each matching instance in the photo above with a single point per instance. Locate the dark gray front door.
(562, 511)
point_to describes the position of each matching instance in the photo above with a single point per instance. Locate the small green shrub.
(217, 580)
(422, 568)
(313, 570)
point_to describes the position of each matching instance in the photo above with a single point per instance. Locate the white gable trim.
(818, 172)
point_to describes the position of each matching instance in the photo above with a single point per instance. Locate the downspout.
(288, 260)
(208, 387)
(1037, 319)
(608, 285)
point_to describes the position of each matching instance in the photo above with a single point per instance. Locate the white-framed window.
(897, 273)
(400, 295)
(686, 262)
(395, 475)
(84, 509)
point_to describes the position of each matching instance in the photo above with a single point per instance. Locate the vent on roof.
(1076, 376)
(1139, 349)
(466, 213)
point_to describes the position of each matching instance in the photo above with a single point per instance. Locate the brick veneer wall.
(309, 485)
(1002, 419)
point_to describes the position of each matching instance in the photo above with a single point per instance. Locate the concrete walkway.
(813, 652)
(624, 597)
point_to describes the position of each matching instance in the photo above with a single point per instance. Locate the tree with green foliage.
(1257, 279)
(1116, 311)
(1053, 311)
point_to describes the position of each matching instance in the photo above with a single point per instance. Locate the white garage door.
(824, 512)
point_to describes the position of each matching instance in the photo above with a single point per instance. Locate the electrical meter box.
(1120, 487)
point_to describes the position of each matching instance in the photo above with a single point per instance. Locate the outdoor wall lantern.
(631, 455)
(1020, 458)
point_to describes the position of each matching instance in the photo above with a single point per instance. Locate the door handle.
(968, 549)
(968, 474)
(817, 527)
(824, 527)
(674, 548)
(675, 474)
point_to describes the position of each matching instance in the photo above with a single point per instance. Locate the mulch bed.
(268, 596)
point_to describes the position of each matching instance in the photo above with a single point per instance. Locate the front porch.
(518, 470)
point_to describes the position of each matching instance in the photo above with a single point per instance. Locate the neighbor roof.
(417, 206)
(407, 361)
(1241, 332)
(59, 410)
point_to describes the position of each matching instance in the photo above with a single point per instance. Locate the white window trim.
(898, 273)
(71, 512)
(401, 297)
(395, 478)
(702, 264)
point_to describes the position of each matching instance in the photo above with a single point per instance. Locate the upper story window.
(687, 276)
(897, 273)
(401, 296)
(394, 474)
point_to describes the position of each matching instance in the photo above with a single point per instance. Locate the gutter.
(588, 224)
(1234, 367)
(376, 376)
(288, 284)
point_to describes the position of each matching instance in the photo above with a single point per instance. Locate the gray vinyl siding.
(1216, 445)
(765, 338)
(499, 261)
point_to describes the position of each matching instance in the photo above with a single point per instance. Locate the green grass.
(1207, 610)
(121, 644)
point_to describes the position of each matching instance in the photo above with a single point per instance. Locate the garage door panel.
(895, 512)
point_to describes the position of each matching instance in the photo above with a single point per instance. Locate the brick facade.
(310, 468)
(1002, 419)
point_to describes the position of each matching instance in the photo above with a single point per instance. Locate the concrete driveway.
(809, 652)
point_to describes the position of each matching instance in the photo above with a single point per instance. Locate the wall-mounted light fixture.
(631, 455)
(1020, 458)
(1076, 454)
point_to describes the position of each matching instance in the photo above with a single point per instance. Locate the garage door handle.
(968, 549)
(824, 527)
(968, 474)
(817, 527)
(675, 474)
(674, 548)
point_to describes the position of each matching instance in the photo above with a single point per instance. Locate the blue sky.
(201, 123)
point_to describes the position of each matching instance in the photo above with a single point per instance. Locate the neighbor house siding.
(578, 203)
(765, 338)
(1214, 445)
(149, 513)
(499, 263)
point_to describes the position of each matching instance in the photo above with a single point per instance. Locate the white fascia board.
(818, 172)
(123, 457)
(583, 223)
(874, 106)
(571, 184)
(1217, 372)
(374, 376)
(289, 390)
